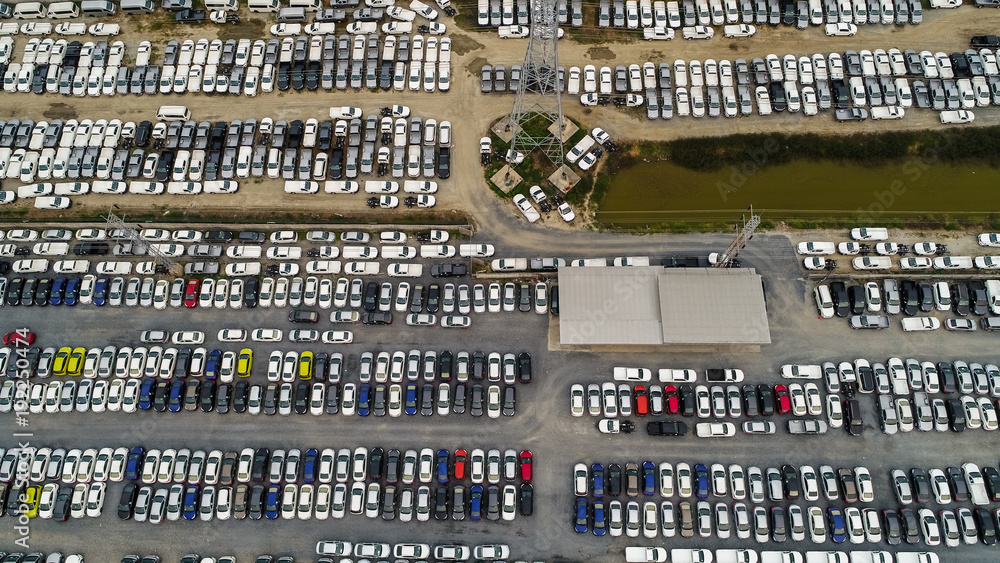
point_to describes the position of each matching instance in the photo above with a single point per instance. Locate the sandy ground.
(471, 112)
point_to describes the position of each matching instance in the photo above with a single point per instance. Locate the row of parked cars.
(94, 68)
(284, 398)
(911, 298)
(202, 153)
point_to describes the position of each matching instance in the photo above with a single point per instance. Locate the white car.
(525, 207)
(816, 248)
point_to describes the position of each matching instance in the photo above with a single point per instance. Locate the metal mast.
(122, 231)
(538, 104)
(742, 236)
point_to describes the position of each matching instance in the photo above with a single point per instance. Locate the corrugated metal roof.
(712, 305)
(654, 305)
(609, 305)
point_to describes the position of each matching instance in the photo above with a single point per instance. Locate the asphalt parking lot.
(542, 425)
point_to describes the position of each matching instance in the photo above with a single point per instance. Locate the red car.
(191, 293)
(459, 464)
(782, 399)
(671, 402)
(526, 460)
(641, 401)
(17, 338)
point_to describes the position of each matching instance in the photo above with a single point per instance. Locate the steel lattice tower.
(538, 102)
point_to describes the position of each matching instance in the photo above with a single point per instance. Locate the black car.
(852, 415)
(441, 503)
(751, 403)
(614, 479)
(160, 396)
(433, 298)
(14, 288)
(992, 477)
(90, 249)
(301, 402)
(959, 488)
(908, 520)
(526, 501)
(251, 287)
(376, 318)
(259, 465)
(303, 316)
(478, 365)
(333, 399)
(910, 298)
(554, 300)
(978, 301)
(445, 362)
(256, 502)
(207, 398)
(389, 503)
(448, 270)
(986, 526)
(321, 363)
(960, 299)
(60, 511)
(838, 293)
(524, 297)
(42, 292)
(893, 530)
(685, 394)
(376, 458)
(240, 390)
(666, 428)
(926, 297)
(766, 397)
(791, 477)
(946, 373)
(370, 296)
(223, 396)
(956, 414)
(524, 367)
(126, 504)
(417, 299)
(856, 296)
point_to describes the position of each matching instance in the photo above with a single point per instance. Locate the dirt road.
(471, 112)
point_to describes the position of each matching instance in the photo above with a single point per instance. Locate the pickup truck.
(614, 426)
(801, 371)
(724, 375)
(677, 375)
(645, 555)
(632, 374)
(690, 556)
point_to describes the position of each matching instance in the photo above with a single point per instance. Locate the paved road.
(542, 423)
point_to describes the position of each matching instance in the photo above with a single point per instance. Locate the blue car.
(212, 364)
(273, 500)
(364, 399)
(56, 293)
(133, 464)
(582, 516)
(309, 465)
(701, 480)
(476, 502)
(411, 399)
(176, 399)
(600, 526)
(191, 495)
(442, 466)
(146, 393)
(835, 517)
(648, 478)
(101, 291)
(72, 294)
(597, 478)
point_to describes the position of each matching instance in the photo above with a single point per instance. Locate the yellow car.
(31, 497)
(60, 361)
(75, 364)
(305, 365)
(244, 363)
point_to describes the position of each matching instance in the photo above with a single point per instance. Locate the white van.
(993, 295)
(307, 5)
(359, 253)
(98, 8)
(139, 6)
(292, 15)
(63, 11)
(823, 301)
(173, 113)
(224, 5)
(259, 5)
(29, 11)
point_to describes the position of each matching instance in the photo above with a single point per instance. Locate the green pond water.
(657, 192)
